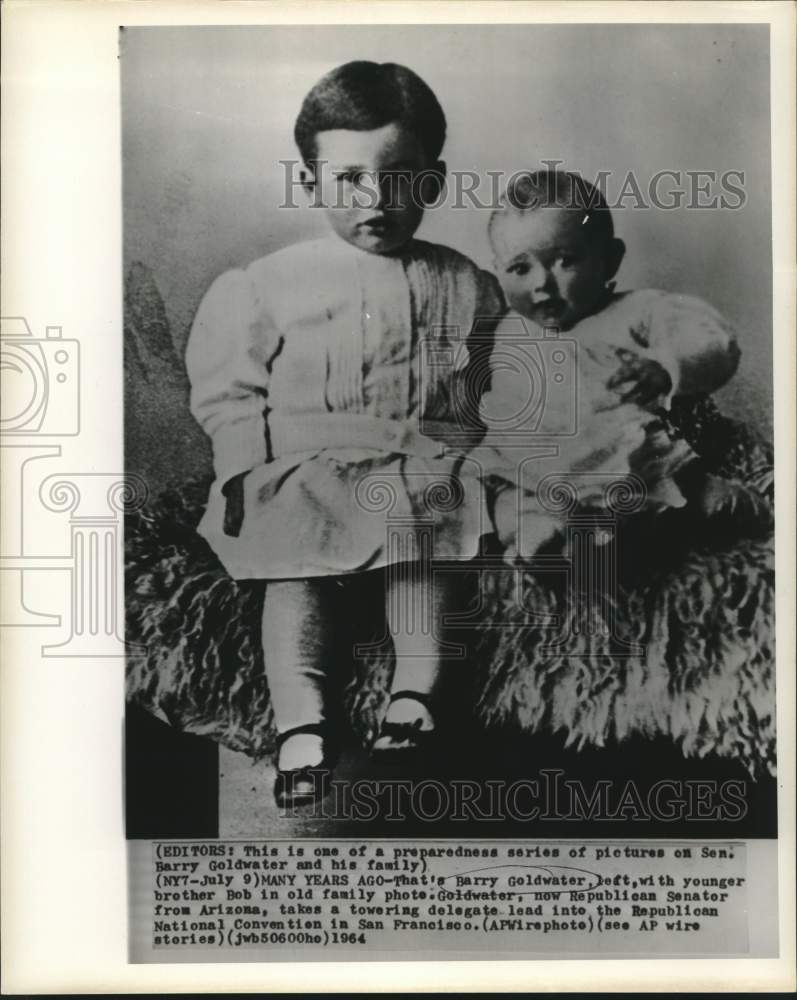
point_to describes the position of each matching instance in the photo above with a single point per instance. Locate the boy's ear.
(307, 179)
(614, 258)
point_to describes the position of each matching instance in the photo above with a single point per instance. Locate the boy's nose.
(385, 188)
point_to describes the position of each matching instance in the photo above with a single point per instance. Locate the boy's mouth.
(376, 225)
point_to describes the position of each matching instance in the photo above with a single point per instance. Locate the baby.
(308, 372)
(556, 256)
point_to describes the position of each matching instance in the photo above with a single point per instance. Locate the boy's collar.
(405, 250)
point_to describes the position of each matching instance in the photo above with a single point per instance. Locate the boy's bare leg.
(416, 605)
(296, 647)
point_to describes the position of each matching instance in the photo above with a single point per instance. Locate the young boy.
(307, 372)
(556, 256)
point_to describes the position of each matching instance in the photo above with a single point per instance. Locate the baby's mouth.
(548, 307)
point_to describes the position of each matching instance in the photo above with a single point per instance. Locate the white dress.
(326, 374)
(559, 434)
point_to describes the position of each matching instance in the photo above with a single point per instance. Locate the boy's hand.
(639, 380)
(233, 490)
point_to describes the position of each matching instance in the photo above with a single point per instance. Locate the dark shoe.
(303, 786)
(402, 739)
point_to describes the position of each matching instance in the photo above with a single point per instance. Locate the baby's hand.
(639, 380)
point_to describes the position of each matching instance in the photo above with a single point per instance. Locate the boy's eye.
(519, 268)
(567, 260)
(350, 177)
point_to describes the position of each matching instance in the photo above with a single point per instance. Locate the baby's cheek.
(517, 297)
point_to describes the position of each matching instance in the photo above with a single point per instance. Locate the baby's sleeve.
(228, 358)
(692, 341)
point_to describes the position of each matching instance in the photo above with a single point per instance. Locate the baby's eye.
(350, 177)
(567, 260)
(519, 268)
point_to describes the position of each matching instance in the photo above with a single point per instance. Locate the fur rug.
(696, 597)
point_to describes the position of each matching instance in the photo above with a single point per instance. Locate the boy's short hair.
(533, 189)
(366, 95)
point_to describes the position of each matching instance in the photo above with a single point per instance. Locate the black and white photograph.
(438, 568)
(448, 368)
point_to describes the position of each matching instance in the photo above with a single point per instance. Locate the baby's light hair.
(531, 190)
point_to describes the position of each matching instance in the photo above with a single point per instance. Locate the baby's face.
(367, 185)
(551, 271)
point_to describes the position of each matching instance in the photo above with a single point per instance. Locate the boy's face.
(551, 270)
(366, 185)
